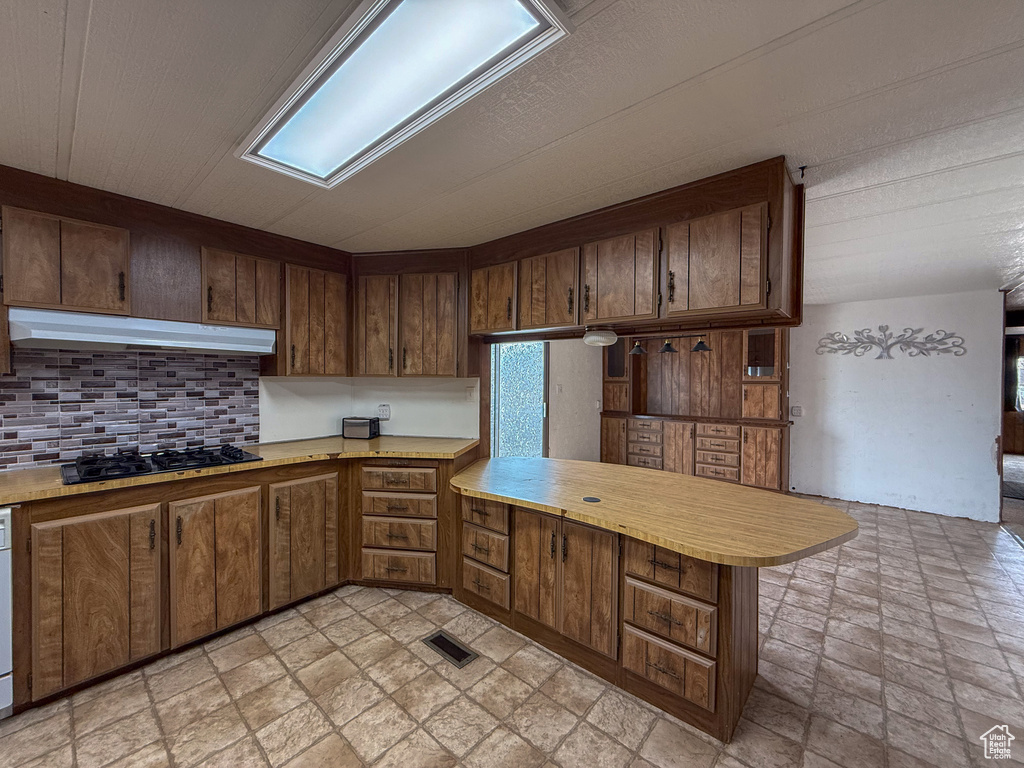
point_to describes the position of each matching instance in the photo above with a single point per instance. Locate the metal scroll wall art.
(910, 341)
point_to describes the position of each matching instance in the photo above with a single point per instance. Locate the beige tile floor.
(898, 649)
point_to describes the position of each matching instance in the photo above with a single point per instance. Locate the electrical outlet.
(797, 410)
(470, 392)
(384, 412)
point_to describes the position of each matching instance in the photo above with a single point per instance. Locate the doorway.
(519, 399)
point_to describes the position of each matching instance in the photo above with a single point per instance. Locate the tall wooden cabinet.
(316, 322)
(303, 541)
(59, 263)
(427, 324)
(376, 325)
(96, 595)
(492, 298)
(215, 562)
(620, 278)
(549, 290)
(240, 289)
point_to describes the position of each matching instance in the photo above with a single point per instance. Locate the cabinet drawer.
(725, 445)
(650, 462)
(391, 565)
(719, 430)
(645, 449)
(486, 546)
(673, 616)
(640, 436)
(404, 479)
(489, 514)
(717, 458)
(485, 582)
(683, 673)
(646, 425)
(672, 569)
(717, 473)
(399, 533)
(399, 504)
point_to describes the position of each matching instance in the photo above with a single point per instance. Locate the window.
(394, 68)
(519, 374)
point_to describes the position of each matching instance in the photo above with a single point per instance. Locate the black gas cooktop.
(107, 466)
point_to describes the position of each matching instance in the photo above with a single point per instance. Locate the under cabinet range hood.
(53, 329)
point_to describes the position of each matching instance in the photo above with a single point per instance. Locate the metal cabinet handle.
(669, 672)
(399, 536)
(661, 564)
(293, 357)
(481, 512)
(480, 585)
(508, 309)
(209, 298)
(390, 569)
(120, 286)
(152, 534)
(671, 287)
(179, 530)
(569, 301)
(552, 545)
(277, 508)
(664, 617)
(397, 508)
(565, 547)
(477, 548)
(586, 298)
(405, 362)
(391, 359)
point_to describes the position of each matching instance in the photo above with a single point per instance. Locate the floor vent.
(450, 648)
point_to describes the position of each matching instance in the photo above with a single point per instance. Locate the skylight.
(396, 67)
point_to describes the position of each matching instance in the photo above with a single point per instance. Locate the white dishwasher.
(6, 615)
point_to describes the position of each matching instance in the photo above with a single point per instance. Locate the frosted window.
(517, 399)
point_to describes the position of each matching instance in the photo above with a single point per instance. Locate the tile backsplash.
(60, 404)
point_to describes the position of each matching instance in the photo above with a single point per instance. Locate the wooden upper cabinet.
(376, 325)
(54, 262)
(96, 595)
(620, 278)
(316, 322)
(241, 290)
(549, 290)
(492, 298)
(427, 324)
(303, 537)
(215, 562)
(717, 262)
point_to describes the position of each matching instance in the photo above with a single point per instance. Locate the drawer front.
(485, 513)
(718, 473)
(645, 449)
(719, 430)
(486, 582)
(640, 436)
(645, 425)
(404, 479)
(685, 621)
(399, 533)
(403, 567)
(716, 458)
(679, 671)
(650, 462)
(399, 504)
(698, 578)
(718, 444)
(488, 547)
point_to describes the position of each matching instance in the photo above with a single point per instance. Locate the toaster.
(360, 427)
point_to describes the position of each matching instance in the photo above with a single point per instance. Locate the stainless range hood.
(53, 329)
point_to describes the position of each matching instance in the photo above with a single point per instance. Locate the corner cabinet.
(492, 299)
(316, 322)
(96, 595)
(427, 324)
(240, 290)
(58, 263)
(303, 544)
(620, 278)
(376, 325)
(549, 290)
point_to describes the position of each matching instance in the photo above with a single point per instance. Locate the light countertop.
(707, 519)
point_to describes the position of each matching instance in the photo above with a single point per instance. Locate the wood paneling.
(166, 279)
(427, 324)
(537, 553)
(376, 325)
(549, 290)
(590, 586)
(688, 383)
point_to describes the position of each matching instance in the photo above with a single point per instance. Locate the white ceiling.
(908, 113)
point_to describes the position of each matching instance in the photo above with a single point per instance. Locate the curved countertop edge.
(38, 483)
(637, 531)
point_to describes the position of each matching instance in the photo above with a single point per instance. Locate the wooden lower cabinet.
(613, 439)
(762, 457)
(303, 537)
(215, 562)
(96, 595)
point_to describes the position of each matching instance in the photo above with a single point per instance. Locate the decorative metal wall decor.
(910, 341)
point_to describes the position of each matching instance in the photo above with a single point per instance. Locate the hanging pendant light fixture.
(700, 346)
(637, 349)
(667, 347)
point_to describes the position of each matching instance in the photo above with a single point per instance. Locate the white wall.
(574, 400)
(917, 433)
(298, 408)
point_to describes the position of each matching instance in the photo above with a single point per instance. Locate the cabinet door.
(239, 556)
(492, 296)
(219, 280)
(93, 267)
(761, 458)
(548, 294)
(31, 254)
(678, 447)
(303, 537)
(335, 324)
(590, 586)
(761, 401)
(536, 559)
(376, 298)
(426, 310)
(240, 289)
(724, 260)
(613, 440)
(95, 595)
(619, 281)
(193, 569)
(297, 319)
(317, 321)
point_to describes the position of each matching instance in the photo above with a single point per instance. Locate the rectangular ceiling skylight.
(394, 68)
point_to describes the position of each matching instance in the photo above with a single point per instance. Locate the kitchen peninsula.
(648, 579)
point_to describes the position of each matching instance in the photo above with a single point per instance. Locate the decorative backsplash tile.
(60, 404)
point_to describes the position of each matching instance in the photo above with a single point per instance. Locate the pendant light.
(667, 347)
(637, 349)
(700, 346)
